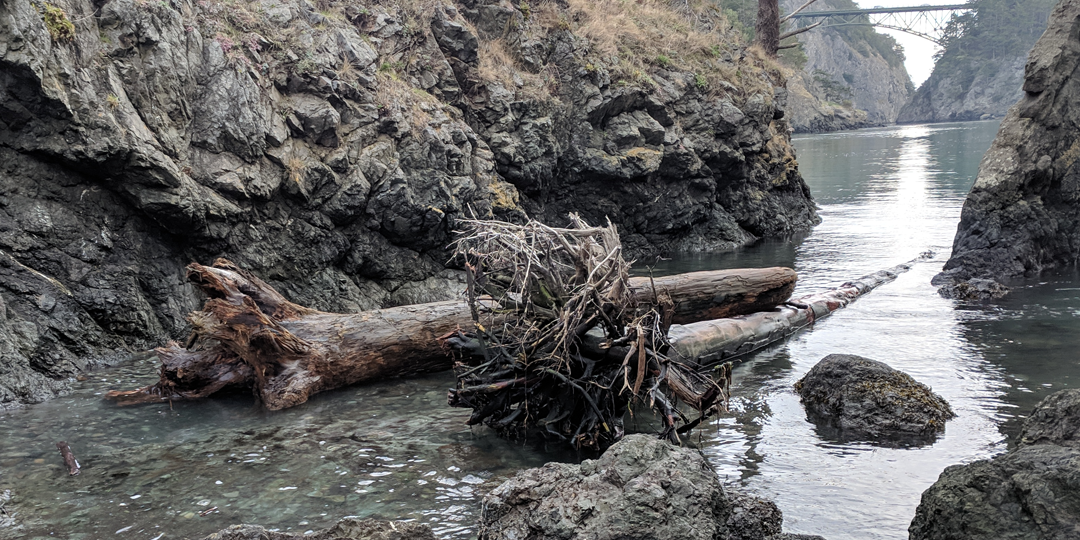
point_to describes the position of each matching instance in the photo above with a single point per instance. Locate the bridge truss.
(927, 22)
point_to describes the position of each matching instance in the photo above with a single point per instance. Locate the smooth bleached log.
(713, 341)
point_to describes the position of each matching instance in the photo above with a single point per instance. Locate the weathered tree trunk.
(768, 26)
(714, 341)
(248, 335)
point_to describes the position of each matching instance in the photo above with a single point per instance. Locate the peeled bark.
(249, 335)
(768, 26)
(714, 341)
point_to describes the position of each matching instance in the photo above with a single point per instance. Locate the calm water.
(395, 450)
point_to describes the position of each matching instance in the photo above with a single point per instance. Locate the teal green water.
(395, 450)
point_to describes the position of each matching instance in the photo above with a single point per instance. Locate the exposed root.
(532, 372)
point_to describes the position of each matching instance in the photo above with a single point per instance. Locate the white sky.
(919, 52)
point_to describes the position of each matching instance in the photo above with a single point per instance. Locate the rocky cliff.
(947, 97)
(330, 147)
(980, 71)
(853, 76)
(1022, 216)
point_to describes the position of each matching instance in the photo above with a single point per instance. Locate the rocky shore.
(332, 148)
(1028, 493)
(1022, 216)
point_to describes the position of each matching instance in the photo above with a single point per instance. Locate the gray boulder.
(850, 397)
(642, 488)
(1031, 493)
(346, 529)
(1055, 420)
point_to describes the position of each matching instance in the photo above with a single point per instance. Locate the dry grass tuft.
(416, 105)
(634, 38)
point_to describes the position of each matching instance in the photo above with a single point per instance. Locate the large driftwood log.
(249, 335)
(714, 341)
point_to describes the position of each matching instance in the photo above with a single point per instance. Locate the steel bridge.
(927, 22)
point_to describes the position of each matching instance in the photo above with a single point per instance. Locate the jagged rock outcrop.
(332, 149)
(1030, 493)
(846, 82)
(856, 398)
(980, 70)
(641, 488)
(809, 112)
(946, 97)
(1022, 216)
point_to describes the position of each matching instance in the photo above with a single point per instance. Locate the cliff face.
(331, 148)
(851, 81)
(947, 97)
(1023, 213)
(981, 68)
(809, 111)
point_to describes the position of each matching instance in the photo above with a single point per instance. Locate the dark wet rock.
(1022, 216)
(1032, 492)
(333, 153)
(641, 488)
(1055, 420)
(859, 398)
(973, 289)
(346, 529)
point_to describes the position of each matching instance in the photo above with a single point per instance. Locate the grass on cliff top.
(635, 37)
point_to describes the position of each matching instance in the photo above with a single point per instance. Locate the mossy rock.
(854, 398)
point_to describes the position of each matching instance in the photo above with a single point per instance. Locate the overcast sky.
(919, 52)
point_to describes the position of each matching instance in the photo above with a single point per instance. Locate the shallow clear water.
(395, 450)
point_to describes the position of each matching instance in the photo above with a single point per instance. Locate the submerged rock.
(346, 529)
(1031, 493)
(1022, 216)
(860, 398)
(642, 488)
(973, 289)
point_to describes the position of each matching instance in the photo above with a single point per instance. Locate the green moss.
(58, 24)
(701, 82)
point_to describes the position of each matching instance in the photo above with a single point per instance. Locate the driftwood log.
(714, 341)
(69, 459)
(249, 336)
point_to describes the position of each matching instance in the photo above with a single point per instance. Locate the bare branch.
(800, 8)
(799, 31)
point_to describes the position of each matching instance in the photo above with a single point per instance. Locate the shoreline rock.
(854, 398)
(1031, 492)
(641, 488)
(1022, 216)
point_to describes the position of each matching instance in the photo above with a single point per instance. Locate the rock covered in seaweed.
(1022, 215)
(1030, 493)
(346, 529)
(1055, 420)
(861, 398)
(642, 488)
